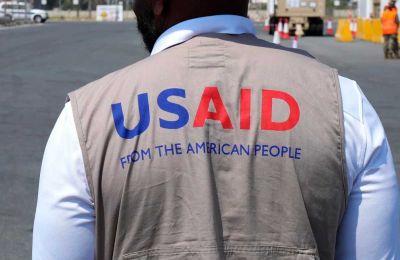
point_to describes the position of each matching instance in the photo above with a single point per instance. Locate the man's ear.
(158, 7)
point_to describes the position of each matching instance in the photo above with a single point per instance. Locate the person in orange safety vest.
(390, 26)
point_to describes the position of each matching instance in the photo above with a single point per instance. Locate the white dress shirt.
(65, 216)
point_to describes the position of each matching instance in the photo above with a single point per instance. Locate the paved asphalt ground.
(40, 64)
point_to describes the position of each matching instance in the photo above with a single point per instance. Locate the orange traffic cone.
(277, 37)
(295, 43)
(285, 34)
(329, 27)
(266, 25)
(280, 27)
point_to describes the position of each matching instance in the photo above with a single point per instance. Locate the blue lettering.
(213, 148)
(178, 148)
(146, 153)
(285, 149)
(298, 154)
(223, 150)
(167, 150)
(201, 146)
(123, 161)
(190, 149)
(274, 154)
(135, 156)
(245, 149)
(235, 150)
(264, 150)
(180, 111)
(143, 124)
(158, 147)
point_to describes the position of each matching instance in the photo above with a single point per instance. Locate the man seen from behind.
(217, 146)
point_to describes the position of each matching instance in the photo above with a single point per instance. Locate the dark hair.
(390, 7)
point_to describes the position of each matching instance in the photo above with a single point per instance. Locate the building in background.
(371, 8)
(362, 8)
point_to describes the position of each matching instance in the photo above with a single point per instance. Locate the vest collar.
(181, 32)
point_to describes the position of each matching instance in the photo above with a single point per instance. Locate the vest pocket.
(253, 252)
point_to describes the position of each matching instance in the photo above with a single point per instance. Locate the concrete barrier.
(343, 33)
(367, 24)
(360, 28)
(377, 31)
(370, 30)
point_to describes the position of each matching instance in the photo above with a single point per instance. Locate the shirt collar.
(181, 32)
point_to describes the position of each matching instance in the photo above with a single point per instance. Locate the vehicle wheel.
(37, 19)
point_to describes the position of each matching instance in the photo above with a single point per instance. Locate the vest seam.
(341, 139)
(82, 142)
(265, 44)
(270, 253)
(226, 249)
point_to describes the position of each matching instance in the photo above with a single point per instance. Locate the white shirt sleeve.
(64, 222)
(370, 228)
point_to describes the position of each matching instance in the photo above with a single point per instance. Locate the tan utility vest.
(222, 147)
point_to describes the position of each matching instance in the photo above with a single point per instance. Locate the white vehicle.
(20, 11)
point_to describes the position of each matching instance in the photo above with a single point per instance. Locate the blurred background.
(51, 47)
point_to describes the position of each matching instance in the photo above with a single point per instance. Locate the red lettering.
(266, 113)
(245, 108)
(220, 114)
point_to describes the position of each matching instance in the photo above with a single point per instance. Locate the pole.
(76, 2)
(370, 8)
(365, 8)
(271, 7)
(26, 12)
(90, 9)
